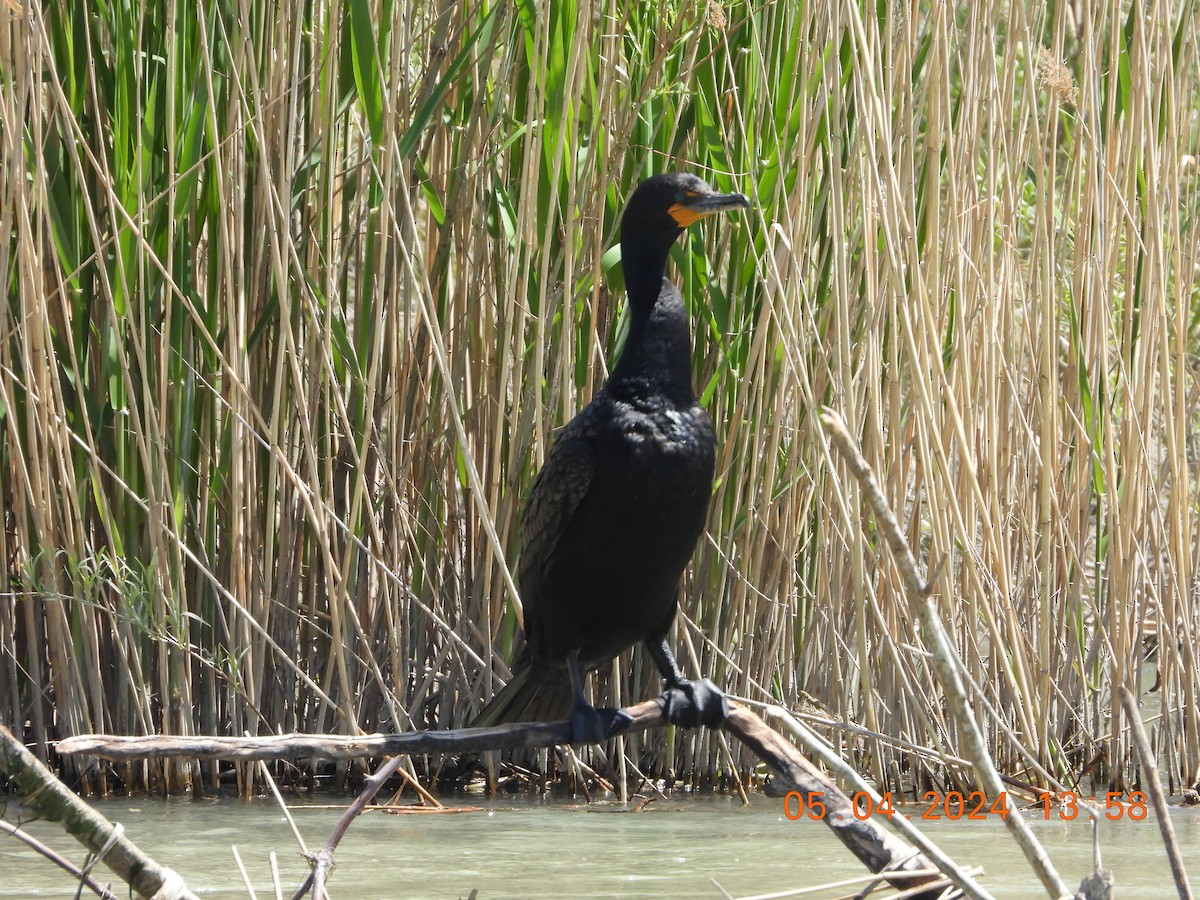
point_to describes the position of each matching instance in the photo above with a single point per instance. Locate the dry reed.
(297, 293)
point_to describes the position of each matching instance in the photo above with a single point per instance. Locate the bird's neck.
(657, 357)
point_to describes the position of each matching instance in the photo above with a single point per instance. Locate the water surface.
(528, 848)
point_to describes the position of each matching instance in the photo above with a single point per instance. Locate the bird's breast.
(614, 572)
(661, 461)
(664, 431)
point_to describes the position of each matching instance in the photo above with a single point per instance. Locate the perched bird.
(614, 515)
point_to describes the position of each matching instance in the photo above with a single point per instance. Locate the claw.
(692, 703)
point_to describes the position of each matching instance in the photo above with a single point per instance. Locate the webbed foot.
(692, 703)
(590, 725)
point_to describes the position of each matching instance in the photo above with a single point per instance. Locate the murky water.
(529, 849)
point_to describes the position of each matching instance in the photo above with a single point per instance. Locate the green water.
(531, 849)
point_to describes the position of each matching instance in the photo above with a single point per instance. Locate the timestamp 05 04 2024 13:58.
(973, 806)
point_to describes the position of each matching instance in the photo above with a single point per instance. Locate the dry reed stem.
(1154, 789)
(945, 659)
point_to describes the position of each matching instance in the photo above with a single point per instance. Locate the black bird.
(615, 513)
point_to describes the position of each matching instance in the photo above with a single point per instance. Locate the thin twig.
(322, 860)
(283, 807)
(276, 884)
(59, 860)
(237, 858)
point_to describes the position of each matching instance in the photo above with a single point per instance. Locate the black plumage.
(614, 515)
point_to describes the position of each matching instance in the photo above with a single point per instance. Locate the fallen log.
(880, 851)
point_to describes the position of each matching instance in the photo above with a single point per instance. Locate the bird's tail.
(529, 696)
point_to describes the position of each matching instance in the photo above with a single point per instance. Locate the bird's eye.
(680, 196)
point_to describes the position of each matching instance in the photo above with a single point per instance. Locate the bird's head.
(664, 205)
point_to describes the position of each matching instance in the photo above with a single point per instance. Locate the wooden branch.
(50, 798)
(515, 736)
(520, 735)
(879, 850)
(810, 743)
(1153, 786)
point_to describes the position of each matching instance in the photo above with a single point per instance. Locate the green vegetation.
(296, 294)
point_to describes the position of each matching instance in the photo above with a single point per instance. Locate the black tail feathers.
(530, 696)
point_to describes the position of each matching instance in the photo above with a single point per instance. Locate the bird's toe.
(590, 725)
(689, 704)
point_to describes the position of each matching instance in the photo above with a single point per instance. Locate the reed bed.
(297, 293)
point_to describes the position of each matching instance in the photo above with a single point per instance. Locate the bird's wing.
(553, 500)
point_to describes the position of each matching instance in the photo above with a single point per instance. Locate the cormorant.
(614, 515)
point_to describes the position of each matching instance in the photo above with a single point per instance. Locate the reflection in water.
(525, 848)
